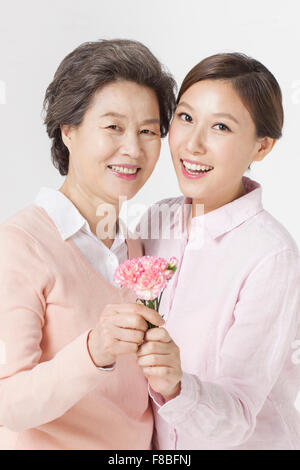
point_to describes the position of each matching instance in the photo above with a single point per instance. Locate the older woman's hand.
(159, 357)
(120, 330)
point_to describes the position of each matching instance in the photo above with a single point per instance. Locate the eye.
(114, 127)
(222, 127)
(147, 132)
(185, 117)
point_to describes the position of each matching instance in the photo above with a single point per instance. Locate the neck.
(101, 216)
(211, 205)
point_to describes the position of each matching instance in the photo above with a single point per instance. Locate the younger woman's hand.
(159, 357)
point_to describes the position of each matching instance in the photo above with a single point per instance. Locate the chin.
(129, 194)
(190, 191)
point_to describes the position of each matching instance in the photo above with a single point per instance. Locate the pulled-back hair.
(88, 68)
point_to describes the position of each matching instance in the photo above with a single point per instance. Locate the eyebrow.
(183, 103)
(226, 115)
(122, 116)
(112, 115)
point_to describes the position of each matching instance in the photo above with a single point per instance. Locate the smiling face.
(212, 130)
(114, 150)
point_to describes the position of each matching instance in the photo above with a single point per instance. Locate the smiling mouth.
(194, 168)
(125, 169)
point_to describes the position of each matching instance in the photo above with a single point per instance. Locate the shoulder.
(25, 240)
(164, 209)
(172, 202)
(30, 222)
(156, 226)
(263, 245)
(16, 234)
(26, 234)
(270, 234)
(162, 206)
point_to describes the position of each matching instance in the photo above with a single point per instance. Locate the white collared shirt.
(71, 224)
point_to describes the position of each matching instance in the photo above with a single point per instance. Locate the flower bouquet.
(148, 277)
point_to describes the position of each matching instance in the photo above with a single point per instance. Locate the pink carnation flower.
(147, 275)
(150, 284)
(173, 262)
(168, 274)
(155, 262)
(127, 274)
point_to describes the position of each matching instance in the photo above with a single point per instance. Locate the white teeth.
(195, 167)
(122, 169)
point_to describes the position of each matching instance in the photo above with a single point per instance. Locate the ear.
(66, 135)
(265, 146)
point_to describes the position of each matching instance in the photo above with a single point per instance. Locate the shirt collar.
(66, 216)
(229, 216)
(62, 211)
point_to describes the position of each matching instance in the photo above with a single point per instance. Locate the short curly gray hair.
(88, 68)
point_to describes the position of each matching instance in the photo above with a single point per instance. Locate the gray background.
(35, 35)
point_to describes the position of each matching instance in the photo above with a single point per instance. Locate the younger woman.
(68, 369)
(233, 309)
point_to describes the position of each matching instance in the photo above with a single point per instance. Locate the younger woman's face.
(212, 128)
(115, 148)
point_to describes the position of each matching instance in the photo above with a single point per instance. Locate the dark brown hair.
(254, 83)
(88, 68)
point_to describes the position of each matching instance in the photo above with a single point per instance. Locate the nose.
(196, 141)
(131, 145)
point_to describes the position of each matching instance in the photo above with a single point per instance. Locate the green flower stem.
(154, 304)
(159, 300)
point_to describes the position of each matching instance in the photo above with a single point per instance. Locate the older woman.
(69, 373)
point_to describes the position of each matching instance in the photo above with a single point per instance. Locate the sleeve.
(33, 393)
(250, 361)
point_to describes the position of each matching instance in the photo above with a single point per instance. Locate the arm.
(34, 393)
(250, 360)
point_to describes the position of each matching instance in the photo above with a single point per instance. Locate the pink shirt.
(233, 310)
(52, 396)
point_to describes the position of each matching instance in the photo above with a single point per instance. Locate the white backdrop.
(35, 35)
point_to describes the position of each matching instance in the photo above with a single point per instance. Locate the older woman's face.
(115, 148)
